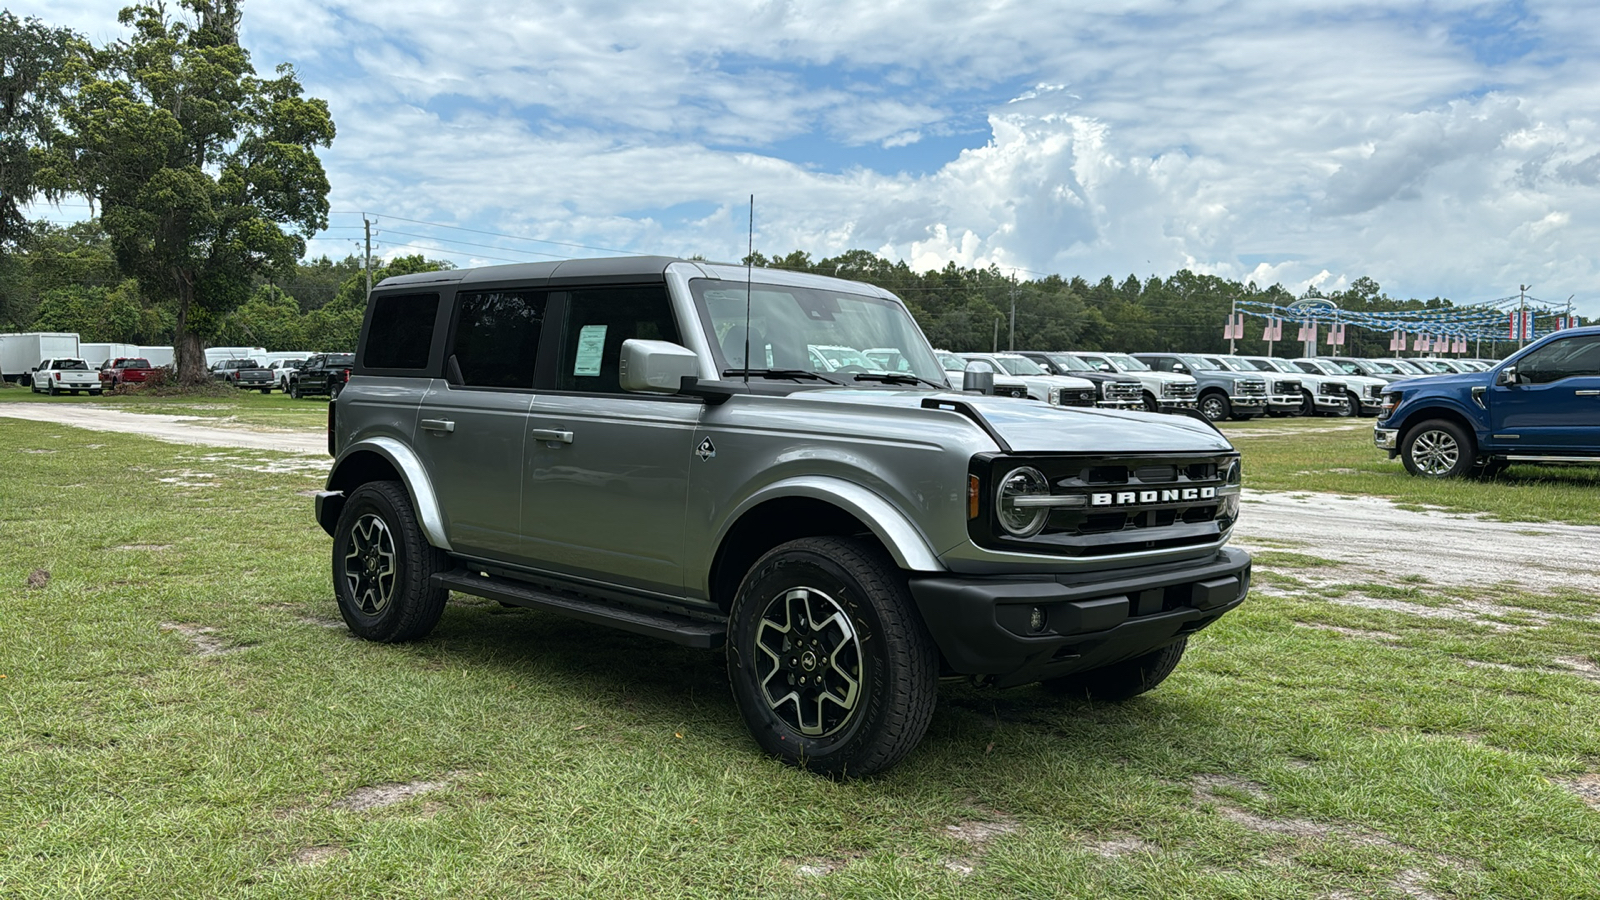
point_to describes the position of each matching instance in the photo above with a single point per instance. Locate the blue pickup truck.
(1540, 405)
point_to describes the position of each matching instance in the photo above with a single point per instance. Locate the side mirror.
(978, 377)
(657, 367)
(1105, 367)
(1179, 367)
(1506, 376)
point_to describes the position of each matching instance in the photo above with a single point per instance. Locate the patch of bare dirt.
(980, 833)
(1587, 787)
(316, 856)
(816, 866)
(38, 578)
(1382, 637)
(1122, 846)
(380, 795)
(1581, 666)
(205, 640)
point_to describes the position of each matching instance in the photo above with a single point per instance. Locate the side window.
(1568, 358)
(497, 337)
(401, 331)
(598, 321)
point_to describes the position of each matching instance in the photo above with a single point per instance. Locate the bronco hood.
(1029, 426)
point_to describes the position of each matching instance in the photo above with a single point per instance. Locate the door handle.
(550, 434)
(1587, 393)
(441, 425)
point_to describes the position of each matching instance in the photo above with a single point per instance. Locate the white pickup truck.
(67, 374)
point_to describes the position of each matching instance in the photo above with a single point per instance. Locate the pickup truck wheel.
(831, 667)
(1150, 404)
(383, 566)
(1308, 406)
(333, 392)
(294, 391)
(1351, 407)
(1437, 448)
(52, 390)
(1215, 406)
(1123, 680)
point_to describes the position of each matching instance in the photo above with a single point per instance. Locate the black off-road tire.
(1352, 406)
(1308, 405)
(1121, 681)
(334, 389)
(52, 390)
(1214, 405)
(871, 633)
(1437, 448)
(294, 391)
(1150, 403)
(404, 605)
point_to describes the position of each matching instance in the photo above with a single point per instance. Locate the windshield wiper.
(899, 378)
(796, 374)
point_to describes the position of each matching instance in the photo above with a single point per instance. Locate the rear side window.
(401, 331)
(497, 337)
(598, 321)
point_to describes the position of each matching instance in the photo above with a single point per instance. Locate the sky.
(1445, 148)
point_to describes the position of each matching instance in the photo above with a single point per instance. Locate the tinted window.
(401, 332)
(598, 321)
(1568, 358)
(497, 337)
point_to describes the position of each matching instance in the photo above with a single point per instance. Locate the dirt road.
(1371, 538)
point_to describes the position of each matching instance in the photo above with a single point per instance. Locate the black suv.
(325, 373)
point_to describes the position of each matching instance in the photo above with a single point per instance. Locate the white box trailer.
(158, 356)
(215, 355)
(97, 354)
(20, 353)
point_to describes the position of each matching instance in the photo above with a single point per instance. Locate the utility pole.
(366, 262)
(1013, 312)
(996, 334)
(1522, 318)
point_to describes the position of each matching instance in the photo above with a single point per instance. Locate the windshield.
(1406, 367)
(1385, 368)
(1431, 365)
(952, 362)
(1019, 365)
(812, 329)
(1069, 363)
(1126, 363)
(341, 359)
(1263, 364)
(1241, 364)
(1196, 364)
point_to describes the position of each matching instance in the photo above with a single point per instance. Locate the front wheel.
(1215, 406)
(294, 391)
(1150, 403)
(1121, 681)
(1308, 406)
(1351, 408)
(383, 566)
(830, 665)
(1437, 448)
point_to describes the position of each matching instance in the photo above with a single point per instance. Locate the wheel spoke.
(809, 661)
(372, 566)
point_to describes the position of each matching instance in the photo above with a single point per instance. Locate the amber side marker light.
(972, 496)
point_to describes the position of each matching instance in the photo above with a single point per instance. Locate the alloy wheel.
(370, 567)
(810, 670)
(1435, 452)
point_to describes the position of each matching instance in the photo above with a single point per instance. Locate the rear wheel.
(1437, 448)
(52, 390)
(383, 566)
(1123, 680)
(333, 391)
(831, 667)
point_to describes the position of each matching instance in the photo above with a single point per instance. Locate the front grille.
(1331, 389)
(1286, 387)
(1071, 397)
(1180, 390)
(1128, 504)
(1375, 391)
(1258, 388)
(1124, 390)
(1018, 391)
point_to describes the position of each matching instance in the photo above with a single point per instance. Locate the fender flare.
(1428, 407)
(412, 474)
(899, 536)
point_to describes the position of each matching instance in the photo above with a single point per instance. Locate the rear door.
(471, 431)
(607, 473)
(1555, 405)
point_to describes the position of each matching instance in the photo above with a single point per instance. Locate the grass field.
(185, 716)
(274, 410)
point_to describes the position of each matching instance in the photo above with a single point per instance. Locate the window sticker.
(591, 346)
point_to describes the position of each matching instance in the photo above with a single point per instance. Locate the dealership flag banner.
(1308, 331)
(1459, 347)
(1397, 341)
(1273, 331)
(1565, 322)
(1336, 334)
(1521, 325)
(1234, 330)
(1420, 343)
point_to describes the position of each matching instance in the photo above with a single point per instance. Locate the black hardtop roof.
(630, 268)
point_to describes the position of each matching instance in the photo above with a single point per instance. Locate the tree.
(206, 175)
(32, 55)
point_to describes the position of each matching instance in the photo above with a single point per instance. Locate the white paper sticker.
(591, 346)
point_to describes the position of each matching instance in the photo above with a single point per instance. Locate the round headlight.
(1018, 520)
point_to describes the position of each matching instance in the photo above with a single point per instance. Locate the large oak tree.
(206, 175)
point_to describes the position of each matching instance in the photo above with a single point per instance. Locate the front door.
(1555, 405)
(607, 472)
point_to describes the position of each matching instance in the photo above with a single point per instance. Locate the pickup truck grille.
(1017, 391)
(1124, 390)
(1286, 387)
(1252, 388)
(1180, 390)
(1077, 397)
(1375, 391)
(1331, 389)
(1122, 504)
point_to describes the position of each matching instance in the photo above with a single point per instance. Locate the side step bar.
(677, 629)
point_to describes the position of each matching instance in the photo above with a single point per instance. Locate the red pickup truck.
(125, 370)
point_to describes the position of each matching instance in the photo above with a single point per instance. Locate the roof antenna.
(749, 260)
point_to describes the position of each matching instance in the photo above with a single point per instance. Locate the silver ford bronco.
(652, 444)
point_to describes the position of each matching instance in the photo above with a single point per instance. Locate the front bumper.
(1175, 404)
(984, 625)
(1284, 403)
(1386, 439)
